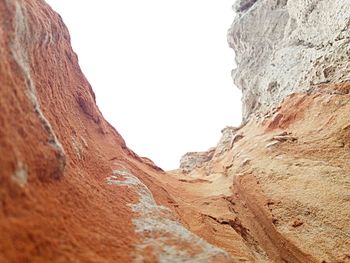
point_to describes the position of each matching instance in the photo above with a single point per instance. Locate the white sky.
(160, 70)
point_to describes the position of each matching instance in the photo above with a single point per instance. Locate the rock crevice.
(275, 189)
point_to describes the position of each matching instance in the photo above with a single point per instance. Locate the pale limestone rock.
(228, 138)
(193, 160)
(288, 46)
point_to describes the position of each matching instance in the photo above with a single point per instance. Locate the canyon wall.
(275, 189)
(286, 46)
(278, 185)
(70, 189)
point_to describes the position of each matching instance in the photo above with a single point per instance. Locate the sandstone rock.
(71, 190)
(273, 190)
(290, 195)
(287, 180)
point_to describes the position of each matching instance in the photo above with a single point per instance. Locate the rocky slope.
(274, 190)
(71, 191)
(281, 193)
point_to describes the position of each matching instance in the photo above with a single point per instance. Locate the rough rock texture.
(274, 190)
(288, 46)
(193, 160)
(281, 193)
(68, 185)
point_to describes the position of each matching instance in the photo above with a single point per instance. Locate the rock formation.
(274, 190)
(285, 169)
(287, 46)
(281, 192)
(71, 191)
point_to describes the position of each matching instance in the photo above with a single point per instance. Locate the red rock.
(72, 191)
(68, 189)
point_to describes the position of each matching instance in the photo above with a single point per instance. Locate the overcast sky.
(160, 70)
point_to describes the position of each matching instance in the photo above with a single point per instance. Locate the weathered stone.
(228, 138)
(193, 160)
(273, 190)
(56, 152)
(288, 46)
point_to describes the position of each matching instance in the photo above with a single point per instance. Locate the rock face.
(274, 190)
(193, 160)
(281, 193)
(71, 191)
(284, 47)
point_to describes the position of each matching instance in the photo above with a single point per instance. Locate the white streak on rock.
(169, 240)
(19, 51)
(21, 175)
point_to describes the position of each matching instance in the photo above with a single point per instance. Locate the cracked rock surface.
(275, 189)
(284, 47)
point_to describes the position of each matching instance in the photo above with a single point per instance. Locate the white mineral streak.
(18, 48)
(168, 240)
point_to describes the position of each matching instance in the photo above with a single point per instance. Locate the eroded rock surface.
(70, 189)
(274, 190)
(193, 160)
(288, 46)
(281, 193)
